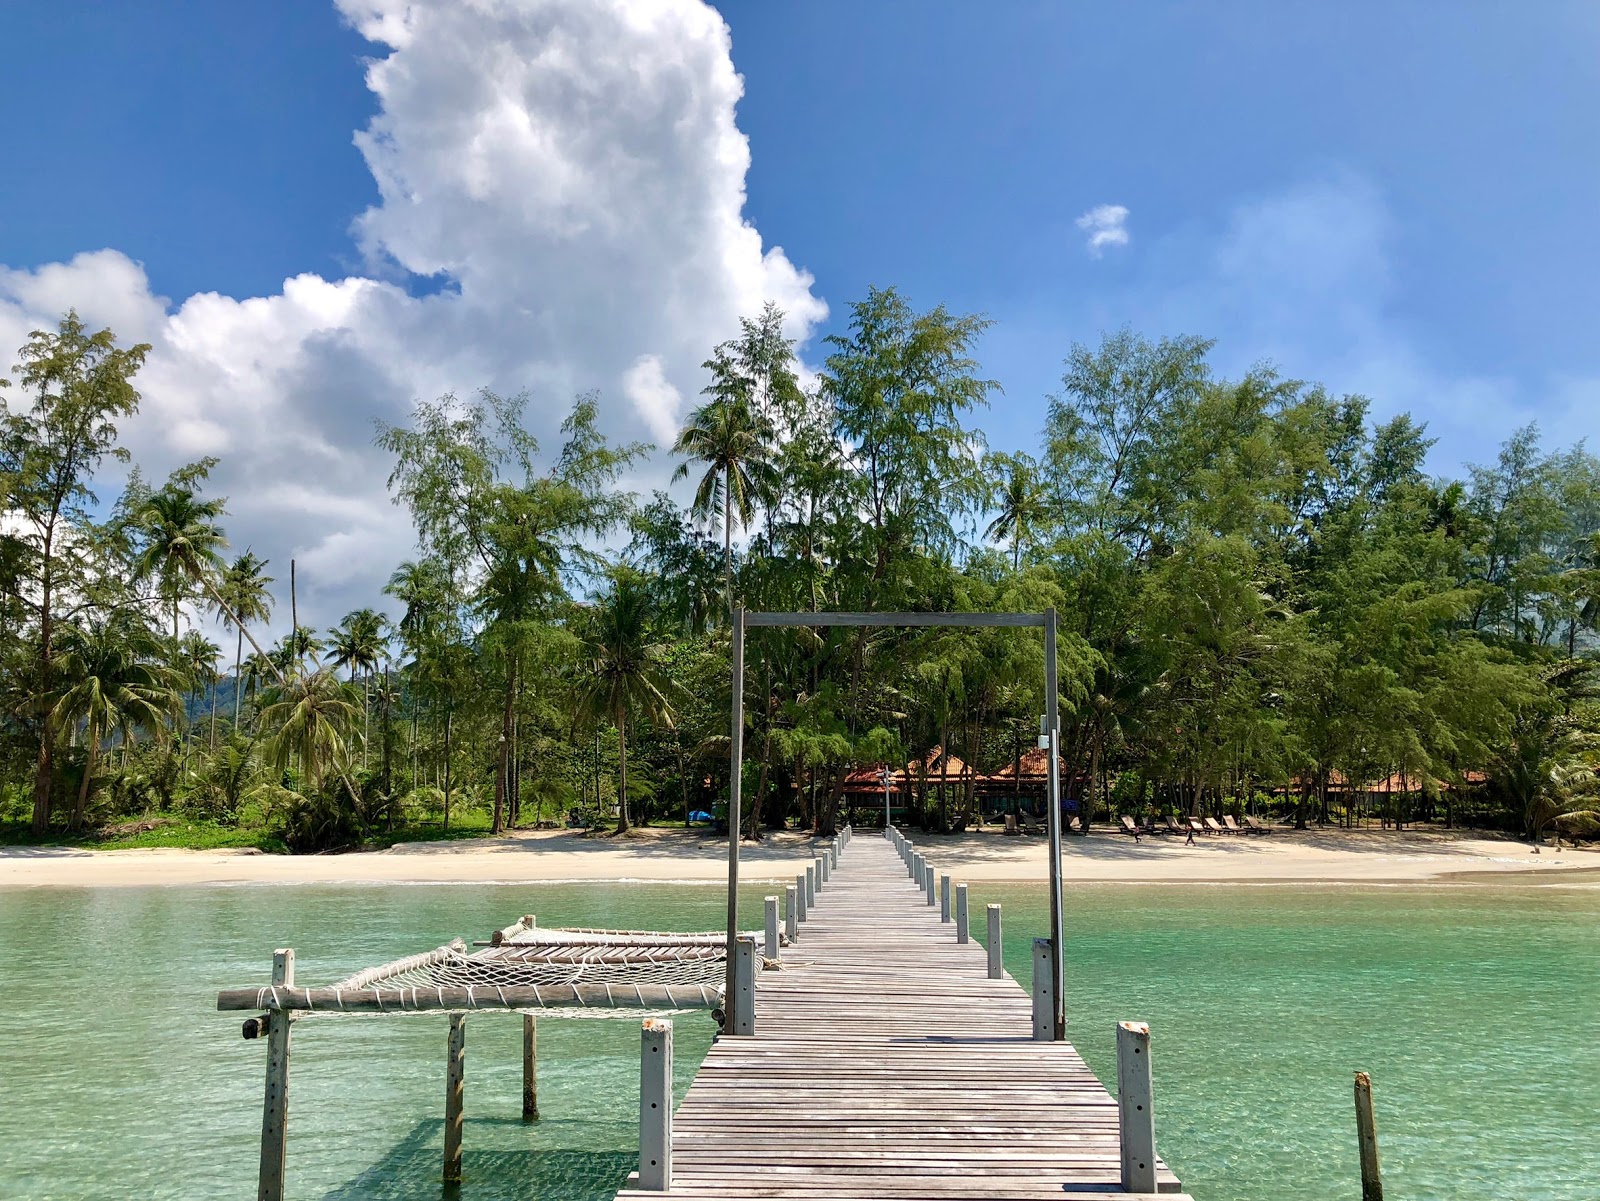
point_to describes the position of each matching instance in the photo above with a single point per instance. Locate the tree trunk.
(82, 807)
(447, 716)
(622, 774)
(44, 773)
(238, 658)
(502, 763)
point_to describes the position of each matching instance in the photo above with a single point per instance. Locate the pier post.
(1367, 1137)
(944, 896)
(996, 968)
(961, 913)
(800, 895)
(927, 883)
(911, 857)
(530, 1068)
(275, 1108)
(742, 1008)
(1136, 1108)
(773, 949)
(455, 1066)
(1044, 1001)
(824, 868)
(655, 1105)
(811, 885)
(791, 919)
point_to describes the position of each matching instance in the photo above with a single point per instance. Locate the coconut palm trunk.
(623, 825)
(91, 751)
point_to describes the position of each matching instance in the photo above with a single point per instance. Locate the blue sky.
(1396, 199)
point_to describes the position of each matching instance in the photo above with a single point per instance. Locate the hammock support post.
(655, 1105)
(742, 1008)
(455, 1067)
(530, 1068)
(275, 1107)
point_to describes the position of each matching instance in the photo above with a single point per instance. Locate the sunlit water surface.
(1476, 1009)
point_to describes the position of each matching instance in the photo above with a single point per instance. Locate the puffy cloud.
(1105, 225)
(572, 172)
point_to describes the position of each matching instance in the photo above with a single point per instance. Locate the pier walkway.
(887, 1065)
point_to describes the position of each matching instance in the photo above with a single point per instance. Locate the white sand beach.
(1286, 856)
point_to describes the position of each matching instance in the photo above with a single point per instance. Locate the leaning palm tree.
(734, 442)
(309, 720)
(242, 596)
(625, 669)
(1022, 505)
(113, 682)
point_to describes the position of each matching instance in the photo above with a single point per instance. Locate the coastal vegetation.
(1267, 604)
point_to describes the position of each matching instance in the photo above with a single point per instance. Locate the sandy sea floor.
(1317, 856)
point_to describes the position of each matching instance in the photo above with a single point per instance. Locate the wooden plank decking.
(887, 1066)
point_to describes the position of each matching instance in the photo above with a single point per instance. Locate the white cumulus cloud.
(573, 172)
(1105, 225)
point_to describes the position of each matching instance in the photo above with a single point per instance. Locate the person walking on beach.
(1189, 842)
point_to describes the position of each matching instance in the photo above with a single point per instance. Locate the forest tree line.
(1261, 591)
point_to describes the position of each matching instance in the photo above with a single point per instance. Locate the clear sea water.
(1475, 1008)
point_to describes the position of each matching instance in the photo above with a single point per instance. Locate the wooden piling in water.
(275, 1107)
(454, 1096)
(1367, 1138)
(530, 1068)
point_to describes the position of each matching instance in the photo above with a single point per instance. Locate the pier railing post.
(774, 948)
(1044, 1001)
(961, 913)
(275, 1107)
(1367, 1138)
(996, 967)
(455, 1070)
(824, 868)
(811, 885)
(1136, 1108)
(655, 1105)
(742, 1007)
(530, 1068)
(791, 919)
(944, 896)
(927, 883)
(800, 895)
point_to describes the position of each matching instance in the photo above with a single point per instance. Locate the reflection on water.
(118, 1077)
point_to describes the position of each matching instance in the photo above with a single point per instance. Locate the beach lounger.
(1011, 825)
(1129, 826)
(1173, 827)
(1255, 826)
(1197, 825)
(1230, 825)
(1213, 826)
(1073, 825)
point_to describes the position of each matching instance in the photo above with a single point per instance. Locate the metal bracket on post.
(1136, 1108)
(655, 1105)
(742, 1008)
(1044, 1001)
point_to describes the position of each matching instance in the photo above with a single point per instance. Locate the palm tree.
(258, 670)
(197, 659)
(1022, 505)
(626, 669)
(113, 682)
(357, 642)
(734, 441)
(244, 597)
(288, 657)
(309, 719)
(182, 543)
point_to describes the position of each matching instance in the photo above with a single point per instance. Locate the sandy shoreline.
(1371, 857)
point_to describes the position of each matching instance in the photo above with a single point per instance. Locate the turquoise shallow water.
(1476, 1009)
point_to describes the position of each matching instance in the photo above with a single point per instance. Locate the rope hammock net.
(560, 972)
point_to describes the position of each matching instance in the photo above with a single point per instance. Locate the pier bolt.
(800, 896)
(944, 896)
(1136, 1108)
(455, 1069)
(961, 913)
(1044, 1001)
(773, 949)
(275, 1108)
(995, 966)
(655, 1105)
(530, 1068)
(791, 919)
(1367, 1137)
(811, 885)
(927, 883)
(743, 1010)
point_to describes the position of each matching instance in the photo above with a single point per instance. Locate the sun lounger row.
(1196, 825)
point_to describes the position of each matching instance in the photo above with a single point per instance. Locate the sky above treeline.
(317, 212)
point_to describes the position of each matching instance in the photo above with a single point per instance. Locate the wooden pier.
(886, 1064)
